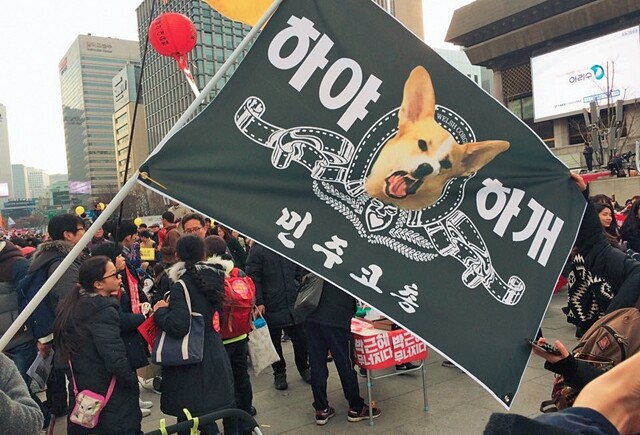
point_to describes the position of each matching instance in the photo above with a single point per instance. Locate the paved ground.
(457, 405)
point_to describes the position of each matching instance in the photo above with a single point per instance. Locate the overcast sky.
(38, 33)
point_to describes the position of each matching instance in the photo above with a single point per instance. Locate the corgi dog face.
(414, 166)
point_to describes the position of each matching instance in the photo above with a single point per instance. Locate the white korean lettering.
(301, 29)
(333, 250)
(369, 277)
(288, 221)
(543, 226)
(309, 60)
(408, 298)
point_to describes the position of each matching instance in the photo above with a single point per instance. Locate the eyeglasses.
(116, 274)
(80, 229)
(192, 230)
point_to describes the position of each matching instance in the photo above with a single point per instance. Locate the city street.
(457, 405)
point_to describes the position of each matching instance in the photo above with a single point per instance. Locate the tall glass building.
(166, 92)
(6, 184)
(86, 73)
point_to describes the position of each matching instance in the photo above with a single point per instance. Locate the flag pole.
(218, 75)
(66, 262)
(122, 194)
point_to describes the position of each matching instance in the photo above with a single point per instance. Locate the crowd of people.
(128, 273)
(604, 276)
(113, 287)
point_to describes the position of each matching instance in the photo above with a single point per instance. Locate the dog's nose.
(423, 170)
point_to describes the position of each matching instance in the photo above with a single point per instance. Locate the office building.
(482, 76)
(86, 74)
(20, 181)
(125, 86)
(38, 182)
(551, 59)
(6, 184)
(166, 92)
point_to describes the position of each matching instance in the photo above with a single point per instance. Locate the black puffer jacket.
(617, 268)
(336, 308)
(207, 386)
(96, 330)
(277, 281)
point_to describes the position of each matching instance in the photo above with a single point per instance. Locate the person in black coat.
(137, 348)
(620, 270)
(87, 333)
(206, 386)
(329, 329)
(631, 227)
(277, 282)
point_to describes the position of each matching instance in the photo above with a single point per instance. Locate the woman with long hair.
(607, 219)
(206, 386)
(631, 227)
(87, 334)
(589, 295)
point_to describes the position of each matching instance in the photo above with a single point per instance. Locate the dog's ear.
(418, 99)
(477, 154)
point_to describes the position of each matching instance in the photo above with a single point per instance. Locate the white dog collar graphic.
(339, 170)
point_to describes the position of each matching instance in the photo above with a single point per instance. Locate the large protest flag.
(352, 148)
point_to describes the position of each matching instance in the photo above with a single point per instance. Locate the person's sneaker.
(306, 376)
(322, 417)
(145, 412)
(252, 411)
(406, 366)
(362, 372)
(144, 404)
(354, 416)
(157, 384)
(447, 363)
(285, 337)
(280, 381)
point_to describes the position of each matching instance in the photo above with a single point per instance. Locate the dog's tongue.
(397, 186)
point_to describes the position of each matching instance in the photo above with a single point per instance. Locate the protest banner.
(350, 147)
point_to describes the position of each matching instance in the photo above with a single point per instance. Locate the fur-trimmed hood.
(214, 265)
(47, 250)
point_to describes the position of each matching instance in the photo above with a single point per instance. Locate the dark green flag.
(345, 144)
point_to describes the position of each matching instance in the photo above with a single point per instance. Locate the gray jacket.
(20, 414)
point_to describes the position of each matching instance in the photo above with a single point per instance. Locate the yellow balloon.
(246, 11)
(101, 206)
(137, 221)
(79, 210)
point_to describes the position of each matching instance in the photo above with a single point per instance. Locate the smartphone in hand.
(546, 347)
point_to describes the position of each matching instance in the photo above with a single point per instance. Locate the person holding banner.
(616, 267)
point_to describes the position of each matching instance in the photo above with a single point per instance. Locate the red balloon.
(172, 34)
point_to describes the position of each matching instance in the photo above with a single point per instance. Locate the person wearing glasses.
(65, 231)
(87, 335)
(194, 224)
(134, 305)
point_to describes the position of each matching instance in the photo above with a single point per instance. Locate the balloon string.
(182, 63)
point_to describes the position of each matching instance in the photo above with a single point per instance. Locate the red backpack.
(239, 299)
